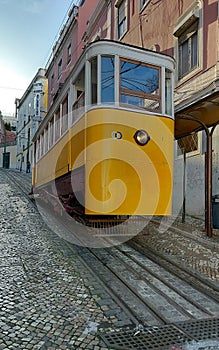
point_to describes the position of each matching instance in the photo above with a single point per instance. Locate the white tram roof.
(112, 48)
(136, 53)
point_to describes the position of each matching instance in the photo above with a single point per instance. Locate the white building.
(30, 111)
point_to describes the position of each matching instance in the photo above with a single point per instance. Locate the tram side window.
(51, 133)
(57, 124)
(38, 150)
(64, 125)
(46, 139)
(79, 91)
(41, 145)
(168, 92)
(107, 79)
(139, 85)
(94, 81)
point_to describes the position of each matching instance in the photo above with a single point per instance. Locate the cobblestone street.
(48, 300)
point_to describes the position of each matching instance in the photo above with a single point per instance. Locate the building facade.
(30, 111)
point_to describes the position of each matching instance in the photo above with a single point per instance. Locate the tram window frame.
(51, 132)
(168, 92)
(93, 80)
(57, 124)
(109, 96)
(153, 100)
(42, 144)
(79, 86)
(64, 119)
(38, 149)
(46, 139)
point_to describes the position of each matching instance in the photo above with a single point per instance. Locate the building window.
(60, 68)
(188, 144)
(52, 82)
(188, 50)
(69, 54)
(143, 3)
(122, 18)
(188, 32)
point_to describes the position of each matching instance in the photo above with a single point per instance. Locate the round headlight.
(141, 137)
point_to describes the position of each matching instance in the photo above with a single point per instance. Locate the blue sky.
(28, 31)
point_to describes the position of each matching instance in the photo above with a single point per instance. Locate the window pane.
(59, 68)
(141, 102)
(139, 78)
(142, 2)
(122, 19)
(168, 92)
(185, 57)
(107, 79)
(194, 51)
(94, 81)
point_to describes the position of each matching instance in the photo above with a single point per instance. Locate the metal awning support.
(208, 170)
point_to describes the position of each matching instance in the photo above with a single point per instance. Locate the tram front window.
(139, 85)
(107, 79)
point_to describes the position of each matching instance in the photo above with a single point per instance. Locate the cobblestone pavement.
(186, 243)
(48, 300)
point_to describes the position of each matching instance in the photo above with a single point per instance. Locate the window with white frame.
(122, 18)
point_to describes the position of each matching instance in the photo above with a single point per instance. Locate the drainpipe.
(184, 187)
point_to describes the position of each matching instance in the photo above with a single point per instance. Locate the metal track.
(155, 291)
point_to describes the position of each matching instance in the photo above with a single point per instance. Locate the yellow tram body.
(123, 179)
(99, 157)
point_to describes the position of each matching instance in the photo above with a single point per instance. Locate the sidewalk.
(186, 242)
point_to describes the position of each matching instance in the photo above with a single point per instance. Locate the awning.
(206, 111)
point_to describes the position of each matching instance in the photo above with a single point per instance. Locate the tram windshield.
(130, 83)
(137, 83)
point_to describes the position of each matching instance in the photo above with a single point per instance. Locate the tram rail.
(154, 290)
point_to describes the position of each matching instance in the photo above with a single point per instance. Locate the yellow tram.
(105, 148)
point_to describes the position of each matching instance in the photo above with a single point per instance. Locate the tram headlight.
(141, 137)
